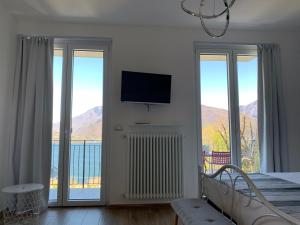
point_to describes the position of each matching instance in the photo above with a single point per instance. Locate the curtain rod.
(199, 43)
(68, 37)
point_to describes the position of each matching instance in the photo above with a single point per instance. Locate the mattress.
(280, 189)
(292, 177)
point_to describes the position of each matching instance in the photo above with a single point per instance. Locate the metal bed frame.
(245, 208)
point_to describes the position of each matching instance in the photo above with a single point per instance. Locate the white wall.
(7, 54)
(170, 51)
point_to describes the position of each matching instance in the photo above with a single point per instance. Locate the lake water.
(84, 161)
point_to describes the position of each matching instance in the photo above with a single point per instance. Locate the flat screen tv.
(146, 88)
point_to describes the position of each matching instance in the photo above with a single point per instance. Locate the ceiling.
(245, 14)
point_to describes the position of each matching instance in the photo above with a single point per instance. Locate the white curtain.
(31, 113)
(271, 116)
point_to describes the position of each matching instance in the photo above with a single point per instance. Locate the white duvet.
(292, 176)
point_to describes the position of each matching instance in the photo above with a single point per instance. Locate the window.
(227, 81)
(78, 133)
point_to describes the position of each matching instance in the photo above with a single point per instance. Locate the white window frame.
(232, 51)
(67, 44)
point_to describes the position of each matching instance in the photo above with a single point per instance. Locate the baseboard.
(152, 205)
(74, 206)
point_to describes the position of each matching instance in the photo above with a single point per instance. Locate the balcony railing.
(84, 164)
(212, 162)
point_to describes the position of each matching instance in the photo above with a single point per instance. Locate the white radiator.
(155, 166)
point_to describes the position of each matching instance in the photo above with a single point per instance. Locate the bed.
(254, 199)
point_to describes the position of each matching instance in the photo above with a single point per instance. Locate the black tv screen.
(145, 87)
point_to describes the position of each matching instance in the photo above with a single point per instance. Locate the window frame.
(68, 44)
(232, 51)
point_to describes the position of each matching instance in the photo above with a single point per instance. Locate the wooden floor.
(108, 216)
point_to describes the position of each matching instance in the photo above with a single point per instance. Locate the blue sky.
(87, 85)
(214, 91)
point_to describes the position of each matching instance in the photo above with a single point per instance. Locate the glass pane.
(57, 84)
(86, 123)
(214, 111)
(247, 87)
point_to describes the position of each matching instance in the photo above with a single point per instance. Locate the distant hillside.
(215, 126)
(214, 115)
(85, 126)
(250, 110)
(89, 124)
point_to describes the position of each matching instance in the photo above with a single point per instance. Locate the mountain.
(85, 126)
(212, 115)
(89, 124)
(216, 128)
(250, 109)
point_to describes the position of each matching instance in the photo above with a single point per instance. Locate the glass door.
(58, 71)
(77, 149)
(247, 76)
(227, 92)
(215, 114)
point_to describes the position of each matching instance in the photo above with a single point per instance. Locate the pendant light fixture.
(204, 16)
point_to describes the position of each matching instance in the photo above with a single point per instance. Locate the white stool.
(22, 203)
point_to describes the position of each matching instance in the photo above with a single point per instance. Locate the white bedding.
(292, 176)
(283, 196)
